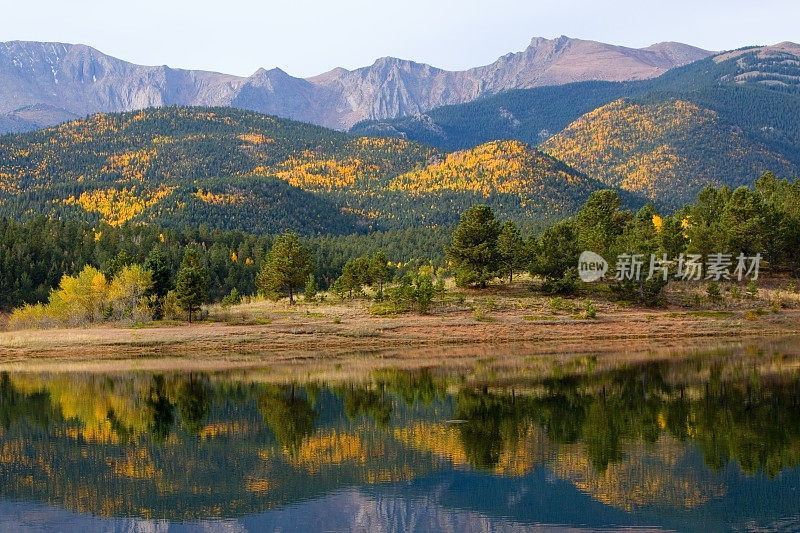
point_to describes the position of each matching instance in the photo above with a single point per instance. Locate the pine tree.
(191, 283)
(423, 292)
(350, 280)
(473, 252)
(379, 270)
(511, 250)
(285, 268)
(310, 291)
(120, 261)
(672, 238)
(600, 222)
(743, 221)
(556, 252)
(157, 263)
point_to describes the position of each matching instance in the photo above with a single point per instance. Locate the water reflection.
(707, 441)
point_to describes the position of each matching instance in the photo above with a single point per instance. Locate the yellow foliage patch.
(219, 198)
(136, 465)
(224, 429)
(255, 138)
(117, 206)
(85, 130)
(391, 144)
(8, 183)
(438, 439)
(635, 482)
(495, 167)
(132, 165)
(257, 485)
(658, 223)
(445, 442)
(309, 172)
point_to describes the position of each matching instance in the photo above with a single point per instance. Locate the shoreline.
(293, 342)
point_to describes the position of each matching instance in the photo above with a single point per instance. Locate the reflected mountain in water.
(712, 441)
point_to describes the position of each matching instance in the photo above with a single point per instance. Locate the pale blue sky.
(307, 37)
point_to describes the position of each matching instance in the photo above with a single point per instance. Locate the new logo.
(591, 267)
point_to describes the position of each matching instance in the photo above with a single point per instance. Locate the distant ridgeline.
(720, 121)
(230, 169)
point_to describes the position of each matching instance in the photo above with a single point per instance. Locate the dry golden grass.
(333, 337)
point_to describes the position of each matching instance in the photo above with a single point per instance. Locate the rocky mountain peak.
(78, 80)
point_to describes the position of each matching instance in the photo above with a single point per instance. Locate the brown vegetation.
(505, 321)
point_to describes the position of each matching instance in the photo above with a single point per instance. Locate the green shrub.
(712, 289)
(310, 291)
(556, 303)
(753, 314)
(565, 285)
(752, 290)
(647, 292)
(479, 314)
(386, 309)
(233, 298)
(697, 300)
(589, 311)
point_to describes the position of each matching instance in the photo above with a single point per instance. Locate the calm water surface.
(707, 442)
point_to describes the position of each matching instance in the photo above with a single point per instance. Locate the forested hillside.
(756, 88)
(229, 169)
(739, 116)
(528, 115)
(182, 166)
(665, 151)
(506, 169)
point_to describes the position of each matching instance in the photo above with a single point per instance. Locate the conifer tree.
(511, 250)
(191, 283)
(310, 291)
(379, 270)
(158, 265)
(473, 252)
(285, 268)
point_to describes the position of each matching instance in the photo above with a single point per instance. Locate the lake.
(706, 441)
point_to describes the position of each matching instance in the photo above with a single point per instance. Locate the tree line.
(761, 220)
(51, 263)
(37, 253)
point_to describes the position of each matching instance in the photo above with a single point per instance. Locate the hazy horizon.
(310, 38)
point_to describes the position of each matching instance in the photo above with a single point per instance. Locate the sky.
(308, 37)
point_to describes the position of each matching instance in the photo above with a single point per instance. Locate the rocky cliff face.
(46, 83)
(565, 60)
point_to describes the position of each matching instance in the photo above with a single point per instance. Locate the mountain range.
(533, 154)
(43, 84)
